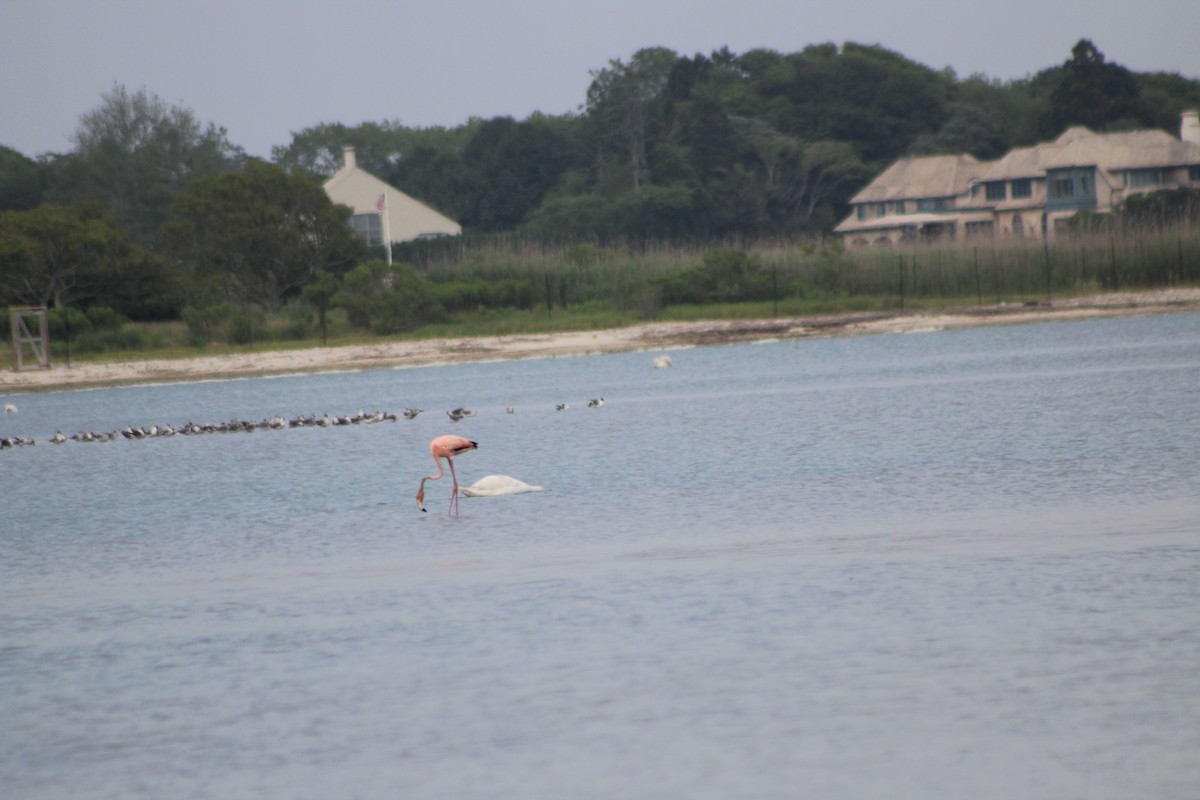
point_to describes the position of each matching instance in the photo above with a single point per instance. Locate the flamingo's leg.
(454, 491)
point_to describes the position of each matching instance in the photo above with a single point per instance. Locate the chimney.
(1189, 127)
(348, 155)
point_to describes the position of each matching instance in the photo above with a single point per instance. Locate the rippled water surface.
(948, 564)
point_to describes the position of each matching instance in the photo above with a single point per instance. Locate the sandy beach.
(645, 337)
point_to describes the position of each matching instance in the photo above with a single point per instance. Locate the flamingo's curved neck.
(441, 471)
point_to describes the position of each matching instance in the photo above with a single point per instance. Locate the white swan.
(496, 485)
(661, 361)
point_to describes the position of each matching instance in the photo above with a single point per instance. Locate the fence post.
(978, 285)
(901, 283)
(1179, 251)
(775, 289)
(1112, 249)
(1046, 250)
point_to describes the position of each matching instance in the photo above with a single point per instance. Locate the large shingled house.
(1030, 191)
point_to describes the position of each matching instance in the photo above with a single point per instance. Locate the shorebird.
(458, 413)
(561, 407)
(446, 447)
(411, 413)
(597, 403)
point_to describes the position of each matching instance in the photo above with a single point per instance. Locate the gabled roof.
(1080, 147)
(922, 177)
(407, 217)
(1020, 162)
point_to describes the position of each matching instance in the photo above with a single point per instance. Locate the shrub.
(299, 321)
(387, 299)
(67, 322)
(475, 293)
(243, 325)
(105, 319)
(204, 323)
(723, 276)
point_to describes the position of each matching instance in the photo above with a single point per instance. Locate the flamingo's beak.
(420, 502)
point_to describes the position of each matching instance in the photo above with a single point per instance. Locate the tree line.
(154, 212)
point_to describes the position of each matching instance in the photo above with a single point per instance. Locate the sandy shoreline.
(649, 336)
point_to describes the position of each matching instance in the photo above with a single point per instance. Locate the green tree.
(387, 299)
(622, 101)
(379, 147)
(319, 293)
(1095, 93)
(512, 167)
(986, 118)
(60, 255)
(257, 235)
(439, 178)
(1166, 94)
(133, 153)
(22, 181)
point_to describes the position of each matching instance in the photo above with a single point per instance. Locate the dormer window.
(995, 190)
(1139, 178)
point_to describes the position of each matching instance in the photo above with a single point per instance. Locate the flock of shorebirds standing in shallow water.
(362, 417)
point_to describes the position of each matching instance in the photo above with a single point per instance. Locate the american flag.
(381, 204)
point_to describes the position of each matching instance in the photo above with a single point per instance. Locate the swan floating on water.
(662, 361)
(497, 485)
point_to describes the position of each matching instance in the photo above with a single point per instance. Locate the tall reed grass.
(975, 270)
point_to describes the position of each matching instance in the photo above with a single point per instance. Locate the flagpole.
(387, 230)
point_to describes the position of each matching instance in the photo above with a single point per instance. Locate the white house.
(404, 218)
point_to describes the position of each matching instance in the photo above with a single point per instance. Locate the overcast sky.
(264, 70)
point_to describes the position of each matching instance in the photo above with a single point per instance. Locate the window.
(861, 211)
(881, 209)
(1018, 226)
(1062, 187)
(979, 228)
(995, 190)
(901, 208)
(1145, 177)
(1085, 186)
(931, 204)
(1194, 172)
(1022, 187)
(370, 227)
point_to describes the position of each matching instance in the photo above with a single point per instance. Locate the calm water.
(948, 564)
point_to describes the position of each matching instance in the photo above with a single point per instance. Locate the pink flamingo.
(446, 447)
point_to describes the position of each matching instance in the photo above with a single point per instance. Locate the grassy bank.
(507, 286)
